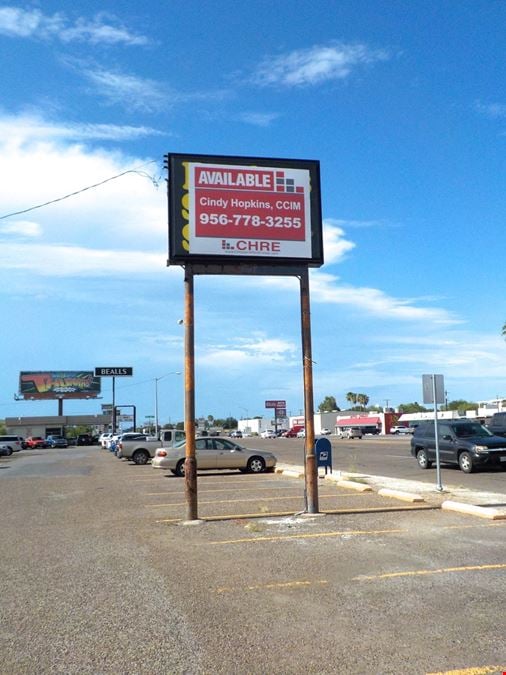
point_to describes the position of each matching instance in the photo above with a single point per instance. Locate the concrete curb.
(398, 494)
(474, 510)
(352, 485)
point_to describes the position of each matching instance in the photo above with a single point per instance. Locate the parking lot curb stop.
(474, 510)
(399, 494)
(352, 485)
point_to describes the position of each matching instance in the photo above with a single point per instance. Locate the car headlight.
(480, 448)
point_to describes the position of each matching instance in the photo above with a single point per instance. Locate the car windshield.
(472, 429)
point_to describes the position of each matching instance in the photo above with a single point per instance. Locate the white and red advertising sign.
(257, 208)
(275, 404)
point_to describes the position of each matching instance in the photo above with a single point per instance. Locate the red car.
(35, 442)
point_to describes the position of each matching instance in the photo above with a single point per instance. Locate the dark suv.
(497, 424)
(461, 442)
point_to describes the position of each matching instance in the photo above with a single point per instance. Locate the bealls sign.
(114, 372)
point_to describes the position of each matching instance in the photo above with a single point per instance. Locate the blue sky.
(402, 103)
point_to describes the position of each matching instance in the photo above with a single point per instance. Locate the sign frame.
(278, 246)
(114, 371)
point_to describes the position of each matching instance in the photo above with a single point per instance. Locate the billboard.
(247, 210)
(54, 384)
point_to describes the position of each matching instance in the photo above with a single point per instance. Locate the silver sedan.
(215, 453)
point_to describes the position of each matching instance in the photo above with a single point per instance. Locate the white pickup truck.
(140, 451)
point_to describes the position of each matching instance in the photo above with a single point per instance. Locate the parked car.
(497, 424)
(401, 429)
(84, 439)
(292, 433)
(468, 444)
(5, 450)
(56, 442)
(325, 432)
(35, 442)
(236, 434)
(301, 433)
(350, 432)
(103, 438)
(215, 453)
(15, 443)
(268, 433)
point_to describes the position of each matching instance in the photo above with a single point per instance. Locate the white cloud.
(21, 228)
(254, 351)
(335, 246)
(316, 64)
(37, 169)
(75, 261)
(493, 110)
(136, 93)
(326, 288)
(102, 29)
(17, 129)
(258, 119)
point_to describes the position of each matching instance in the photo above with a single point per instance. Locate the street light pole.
(156, 397)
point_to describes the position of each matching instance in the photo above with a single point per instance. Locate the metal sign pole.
(311, 469)
(190, 474)
(439, 486)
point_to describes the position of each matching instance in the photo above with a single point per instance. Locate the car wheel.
(9, 452)
(140, 457)
(180, 468)
(423, 459)
(174, 472)
(256, 465)
(466, 462)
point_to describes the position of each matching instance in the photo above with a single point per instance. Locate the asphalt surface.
(98, 575)
(384, 456)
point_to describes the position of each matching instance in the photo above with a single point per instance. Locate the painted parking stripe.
(315, 535)
(442, 570)
(477, 670)
(296, 486)
(274, 586)
(311, 535)
(271, 514)
(252, 499)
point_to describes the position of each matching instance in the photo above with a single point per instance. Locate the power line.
(89, 187)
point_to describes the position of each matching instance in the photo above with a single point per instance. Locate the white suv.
(15, 443)
(351, 432)
(268, 433)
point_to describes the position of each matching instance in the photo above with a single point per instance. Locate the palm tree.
(363, 400)
(351, 397)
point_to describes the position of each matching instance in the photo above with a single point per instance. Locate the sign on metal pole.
(433, 389)
(434, 392)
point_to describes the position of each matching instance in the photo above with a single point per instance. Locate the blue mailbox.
(323, 451)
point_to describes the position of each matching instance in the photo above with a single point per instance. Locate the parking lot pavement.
(94, 581)
(232, 495)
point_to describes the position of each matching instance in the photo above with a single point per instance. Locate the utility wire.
(89, 187)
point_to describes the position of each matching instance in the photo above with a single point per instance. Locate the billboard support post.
(190, 473)
(311, 469)
(113, 405)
